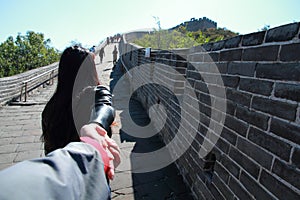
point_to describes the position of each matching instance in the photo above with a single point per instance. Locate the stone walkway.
(20, 131)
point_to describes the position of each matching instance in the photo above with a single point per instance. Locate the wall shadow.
(165, 183)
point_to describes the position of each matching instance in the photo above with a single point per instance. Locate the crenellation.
(197, 24)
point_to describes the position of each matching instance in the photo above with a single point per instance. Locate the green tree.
(26, 52)
(265, 28)
(182, 38)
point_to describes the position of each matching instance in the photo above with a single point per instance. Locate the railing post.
(52, 77)
(21, 91)
(25, 91)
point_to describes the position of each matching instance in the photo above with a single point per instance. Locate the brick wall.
(257, 154)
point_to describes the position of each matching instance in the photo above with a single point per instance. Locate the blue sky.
(90, 21)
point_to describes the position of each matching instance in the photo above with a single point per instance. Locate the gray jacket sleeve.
(74, 172)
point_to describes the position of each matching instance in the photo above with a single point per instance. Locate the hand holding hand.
(99, 134)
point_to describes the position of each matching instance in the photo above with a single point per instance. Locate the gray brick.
(279, 71)
(276, 187)
(238, 190)
(207, 46)
(197, 57)
(282, 33)
(253, 117)
(233, 42)
(194, 75)
(218, 45)
(222, 145)
(4, 141)
(270, 143)
(238, 97)
(216, 90)
(23, 139)
(231, 107)
(290, 52)
(211, 57)
(244, 162)
(215, 192)
(232, 168)
(205, 120)
(223, 187)
(231, 55)
(283, 109)
(230, 81)
(202, 187)
(204, 68)
(254, 188)
(253, 38)
(285, 130)
(237, 125)
(29, 147)
(8, 148)
(264, 53)
(222, 67)
(255, 152)
(204, 98)
(239, 68)
(229, 135)
(287, 172)
(256, 86)
(7, 158)
(222, 172)
(288, 91)
(296, 158)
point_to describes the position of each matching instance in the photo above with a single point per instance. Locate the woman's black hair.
(58, 124)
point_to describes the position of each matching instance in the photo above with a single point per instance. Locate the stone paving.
(20, 131)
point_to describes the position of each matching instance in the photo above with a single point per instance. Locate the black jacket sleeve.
(103, 113)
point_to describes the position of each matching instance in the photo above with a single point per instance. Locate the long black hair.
(76, 75)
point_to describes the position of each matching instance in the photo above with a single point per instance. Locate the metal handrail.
(52, 73)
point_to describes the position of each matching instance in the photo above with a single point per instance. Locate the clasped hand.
(98, 133)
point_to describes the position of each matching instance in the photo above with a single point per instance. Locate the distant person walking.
(92, 49)
(101, 54)
(115, 55)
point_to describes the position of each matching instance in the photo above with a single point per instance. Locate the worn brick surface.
(270, 143)
(278, 71)
(283, 109)
(290, 52)
(255, 118)
(238, 189)
(288, 91)
(296, 157)
(253, 187)
(253, 38)
(264, 53)
(233, 42)
(256, 86)
(231, 55)
(281, 127)
(282, 33)
(257, 154)
(239, 68)
(245, 162)
(287, 172)
(278, 188)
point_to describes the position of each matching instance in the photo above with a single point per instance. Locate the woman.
(78, 94)
(79, 110)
